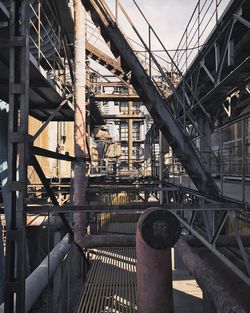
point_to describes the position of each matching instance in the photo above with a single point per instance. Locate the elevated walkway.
(111, 281)
(46, 91)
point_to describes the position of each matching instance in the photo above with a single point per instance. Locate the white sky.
(168, 17)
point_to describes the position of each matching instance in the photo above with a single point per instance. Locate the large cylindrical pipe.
(222, 300)
(157, 231)
(38, 279)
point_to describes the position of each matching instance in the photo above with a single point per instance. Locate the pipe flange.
(159, 228)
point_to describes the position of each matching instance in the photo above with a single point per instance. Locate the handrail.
(49, 44)
(199, 16)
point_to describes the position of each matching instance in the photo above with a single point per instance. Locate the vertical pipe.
(157, 231)
(80, 120)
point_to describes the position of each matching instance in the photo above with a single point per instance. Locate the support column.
(157, 231)
(80, 120)
(18, 154)
(205, 148)
(130, 133)
(205, 140)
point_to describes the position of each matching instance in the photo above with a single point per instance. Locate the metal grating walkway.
(111, 282)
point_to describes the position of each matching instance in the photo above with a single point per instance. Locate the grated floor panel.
(111, 283)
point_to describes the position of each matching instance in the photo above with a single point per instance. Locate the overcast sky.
(169, 18)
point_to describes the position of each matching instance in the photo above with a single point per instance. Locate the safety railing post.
(217, 12)
(186, 50)
(39, 32)
(199, 22)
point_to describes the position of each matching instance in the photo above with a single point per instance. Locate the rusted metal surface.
(222, 300)
(156, 233)
(100, 57)
(80, 120)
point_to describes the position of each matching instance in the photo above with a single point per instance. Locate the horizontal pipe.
(207, 280)
(38, 279)
(95, 241)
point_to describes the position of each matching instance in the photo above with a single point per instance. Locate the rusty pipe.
(222, 300)
(95, 241)
(157, 231)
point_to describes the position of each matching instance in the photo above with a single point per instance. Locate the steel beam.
(19, 77)
(53, 155)
(130, 207)
(115, 97)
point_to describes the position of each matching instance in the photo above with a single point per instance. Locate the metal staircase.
(152, 96)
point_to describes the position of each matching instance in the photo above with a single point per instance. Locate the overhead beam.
(115, 97)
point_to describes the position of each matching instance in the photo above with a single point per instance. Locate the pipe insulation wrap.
(38, 279)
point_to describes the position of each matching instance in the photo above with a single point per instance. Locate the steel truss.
(218, 76)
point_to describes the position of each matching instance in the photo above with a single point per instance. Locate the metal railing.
(159, 64)
(204, 17)
(48, 43)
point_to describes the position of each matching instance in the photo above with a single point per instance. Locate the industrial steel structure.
(112, 144)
